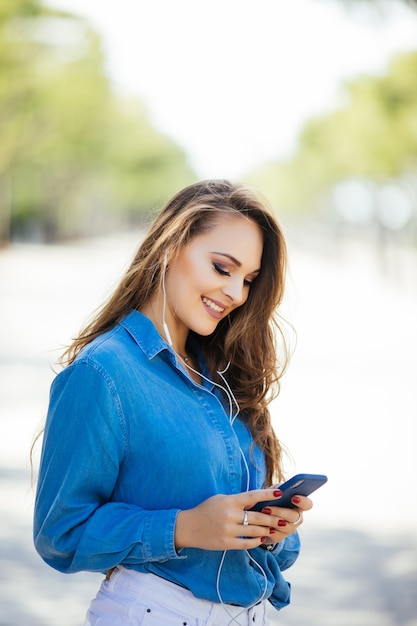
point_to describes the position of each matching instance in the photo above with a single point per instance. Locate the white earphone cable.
(164, 305)
(232, 417)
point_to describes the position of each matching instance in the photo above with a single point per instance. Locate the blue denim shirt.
(131, 439)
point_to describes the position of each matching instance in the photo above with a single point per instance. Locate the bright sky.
(232, 81)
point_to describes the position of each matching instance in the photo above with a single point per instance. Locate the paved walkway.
(347, 408)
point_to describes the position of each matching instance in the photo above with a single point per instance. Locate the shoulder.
(116, 344)
(97, 361)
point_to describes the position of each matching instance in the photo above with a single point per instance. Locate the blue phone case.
(299, 485)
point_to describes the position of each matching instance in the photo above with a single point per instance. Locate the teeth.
(213, 306)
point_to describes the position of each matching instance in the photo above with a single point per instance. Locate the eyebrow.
(234, 260)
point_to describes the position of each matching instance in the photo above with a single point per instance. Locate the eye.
(220, 270)
(250, 281)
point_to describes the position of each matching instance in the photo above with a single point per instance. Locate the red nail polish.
(262, 539)
(277, 493)
(282, 522)
(296, 500)
(272, 531)
(266, 510)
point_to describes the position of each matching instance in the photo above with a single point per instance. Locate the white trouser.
(130, 597)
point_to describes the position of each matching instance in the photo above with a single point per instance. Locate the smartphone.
(299, 485)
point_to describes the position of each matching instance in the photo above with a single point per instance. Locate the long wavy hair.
(252, 338)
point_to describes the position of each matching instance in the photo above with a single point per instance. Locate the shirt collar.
(144, 333)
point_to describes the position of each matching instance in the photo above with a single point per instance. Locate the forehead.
(234, 235)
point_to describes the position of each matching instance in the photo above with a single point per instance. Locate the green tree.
(72, 153)
(143, 167)
(18, 95)
(374, 136)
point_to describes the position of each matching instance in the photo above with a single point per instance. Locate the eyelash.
(223, 272)
(220, 270)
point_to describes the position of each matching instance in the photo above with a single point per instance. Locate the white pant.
(130, 597)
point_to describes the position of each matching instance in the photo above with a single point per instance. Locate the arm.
(77, 526)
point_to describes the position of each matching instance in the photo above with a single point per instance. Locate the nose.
(235, 291)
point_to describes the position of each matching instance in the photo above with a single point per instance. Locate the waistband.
(157, 591)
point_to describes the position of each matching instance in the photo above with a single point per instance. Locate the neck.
(154, 311)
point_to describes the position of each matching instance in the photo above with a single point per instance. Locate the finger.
(257, 525)
(248, 499)
(280, 516)
(302, 502)
(272, 528)
(263, 520)
(247, 543)
(298, 520)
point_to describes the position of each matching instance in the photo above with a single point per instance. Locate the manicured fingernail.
(296, 500)
(272, 531)
(266, 510)
(282, 522)
(263, 539)
(277, 493)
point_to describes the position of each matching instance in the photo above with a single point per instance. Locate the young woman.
(158, 439)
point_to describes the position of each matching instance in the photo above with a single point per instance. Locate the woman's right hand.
(217, 523)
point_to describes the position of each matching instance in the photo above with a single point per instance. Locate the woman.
(158, 439)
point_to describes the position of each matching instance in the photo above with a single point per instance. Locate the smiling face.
(211, 277)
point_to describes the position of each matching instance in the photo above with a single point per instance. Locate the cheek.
(183, 280)
(193, 272)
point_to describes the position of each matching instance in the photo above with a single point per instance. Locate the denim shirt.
(130, 440)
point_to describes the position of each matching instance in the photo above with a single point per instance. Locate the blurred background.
(106, 110)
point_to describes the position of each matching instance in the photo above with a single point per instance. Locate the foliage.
(72, 153)
(374, 136)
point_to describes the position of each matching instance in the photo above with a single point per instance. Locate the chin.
(205, 332)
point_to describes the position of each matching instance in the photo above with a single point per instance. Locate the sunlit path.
(347, 408)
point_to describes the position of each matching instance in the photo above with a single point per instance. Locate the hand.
(217, 523)
(286, 521)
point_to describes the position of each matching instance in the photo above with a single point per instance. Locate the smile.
(213, 306)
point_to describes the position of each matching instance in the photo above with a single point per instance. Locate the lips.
(214, 308)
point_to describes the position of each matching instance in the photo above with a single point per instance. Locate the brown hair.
(248, 338)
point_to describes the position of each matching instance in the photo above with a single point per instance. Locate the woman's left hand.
(286, 521)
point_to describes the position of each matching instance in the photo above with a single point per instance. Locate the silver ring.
(245, 518)
(298, 520)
